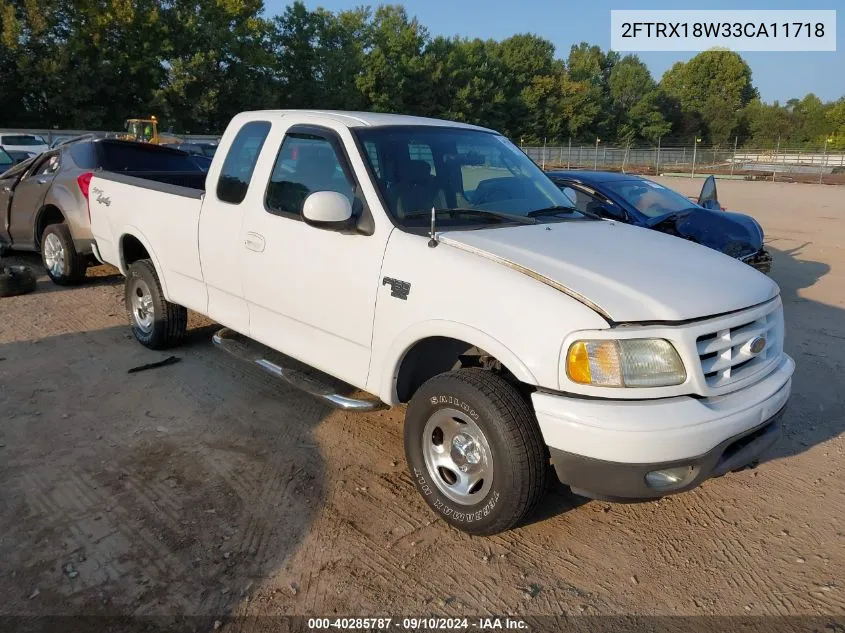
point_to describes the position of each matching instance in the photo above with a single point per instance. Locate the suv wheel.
(64, 265)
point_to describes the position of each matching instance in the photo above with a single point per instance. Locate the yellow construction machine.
(146, 131)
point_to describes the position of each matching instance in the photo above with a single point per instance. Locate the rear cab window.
(236, 173)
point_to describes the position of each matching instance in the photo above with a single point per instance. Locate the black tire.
(16, 280)
(162, 324)
(70, 268)
(510, 431)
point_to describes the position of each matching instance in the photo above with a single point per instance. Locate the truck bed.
(188, 184)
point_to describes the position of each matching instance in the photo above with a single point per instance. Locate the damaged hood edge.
(527, 271)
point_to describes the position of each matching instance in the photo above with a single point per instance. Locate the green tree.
(391, 79)
(836, 120)
(318, 56)
(635, 101)
(714, 85)
(218, 62)
(768, 124)
(590, 66)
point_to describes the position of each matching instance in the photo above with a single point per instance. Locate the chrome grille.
(726, 357)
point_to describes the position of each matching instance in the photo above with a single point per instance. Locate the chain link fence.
(776, 164)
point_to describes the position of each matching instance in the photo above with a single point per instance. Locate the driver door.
(311, 291)
(7, 186)
(28, 196)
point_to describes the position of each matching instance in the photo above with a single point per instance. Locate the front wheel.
(475, 451)
(156, 323)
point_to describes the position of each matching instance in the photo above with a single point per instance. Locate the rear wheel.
(64, 265)
(475, 450)
(155, 322)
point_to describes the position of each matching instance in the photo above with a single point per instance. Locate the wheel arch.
(431, 348)
(48, 214)
(133, 246)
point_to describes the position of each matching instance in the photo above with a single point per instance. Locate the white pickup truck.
(432, 263)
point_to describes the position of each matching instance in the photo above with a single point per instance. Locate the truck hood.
(625, 273)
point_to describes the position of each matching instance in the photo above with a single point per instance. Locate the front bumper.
(604, 448)
(613, 481)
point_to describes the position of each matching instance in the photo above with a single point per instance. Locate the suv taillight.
(84, 182)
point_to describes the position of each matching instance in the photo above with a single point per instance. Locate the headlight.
(638, 362)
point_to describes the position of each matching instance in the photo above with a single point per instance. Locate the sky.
(778, 76)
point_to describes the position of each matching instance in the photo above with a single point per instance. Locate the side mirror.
(327, 210)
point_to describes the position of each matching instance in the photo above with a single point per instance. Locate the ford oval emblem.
(757, 344)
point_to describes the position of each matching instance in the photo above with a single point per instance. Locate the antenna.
(433, 241)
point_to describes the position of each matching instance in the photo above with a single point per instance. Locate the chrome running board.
(311, 382)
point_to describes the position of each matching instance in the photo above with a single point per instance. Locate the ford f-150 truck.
(432, 263)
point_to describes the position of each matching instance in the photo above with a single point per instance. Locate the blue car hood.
(733, 234)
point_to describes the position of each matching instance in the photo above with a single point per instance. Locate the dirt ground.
(204, 487)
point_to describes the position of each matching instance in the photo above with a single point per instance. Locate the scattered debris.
(35, 593)
(70, 571)
(293, 588)
(635, 580)
(217, 624)
(170, 360)
(532, 591)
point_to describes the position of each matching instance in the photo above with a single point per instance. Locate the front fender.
(386, 387)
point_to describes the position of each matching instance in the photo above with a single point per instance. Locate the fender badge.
(398, 288)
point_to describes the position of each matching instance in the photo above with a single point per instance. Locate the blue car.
(642, 202)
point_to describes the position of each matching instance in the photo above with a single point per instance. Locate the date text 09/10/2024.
(420, 624)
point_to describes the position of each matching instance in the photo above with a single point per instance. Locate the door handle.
(41, 181)
(254, 242)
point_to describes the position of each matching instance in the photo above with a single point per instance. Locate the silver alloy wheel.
(54, 255)
(457, 456)
(143, 312)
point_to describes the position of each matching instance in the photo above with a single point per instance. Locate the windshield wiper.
(560, 209)
(494, 214)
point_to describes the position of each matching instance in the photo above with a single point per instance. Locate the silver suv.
(44, 200)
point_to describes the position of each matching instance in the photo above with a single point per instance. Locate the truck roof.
(370, 119)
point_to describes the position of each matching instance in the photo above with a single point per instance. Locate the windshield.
(650, 198)
(6, 161)
(420, 167)
(22, 140)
